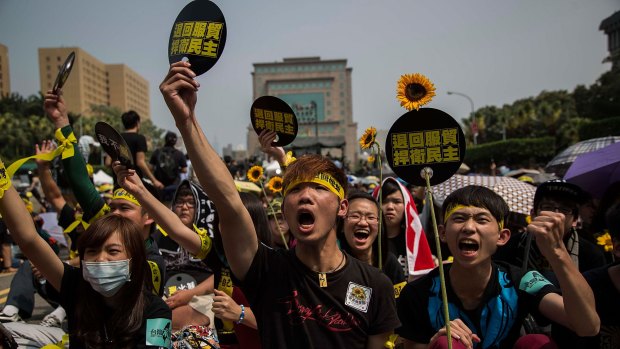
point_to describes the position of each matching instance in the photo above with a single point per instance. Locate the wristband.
(241, 316)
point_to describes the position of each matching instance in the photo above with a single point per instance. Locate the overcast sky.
(494, 51)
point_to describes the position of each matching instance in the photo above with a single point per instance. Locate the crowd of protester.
(318, 261)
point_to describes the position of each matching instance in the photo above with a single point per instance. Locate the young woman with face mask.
(109, 300)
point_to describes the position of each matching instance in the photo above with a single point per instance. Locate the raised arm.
(238, 233)
(167, 219)
(575, 308)
(23, 232)
(52, 193)
(75, 167)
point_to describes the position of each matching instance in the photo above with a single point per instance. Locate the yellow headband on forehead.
(324, 179)
(121, 193)
(450, 211)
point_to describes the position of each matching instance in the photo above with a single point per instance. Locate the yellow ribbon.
(63, 344)
(5, 180)
(78, 221)
(65, 148)
(450, 211)
(324, 179)
(66, 144)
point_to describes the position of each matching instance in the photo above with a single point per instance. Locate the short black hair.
(170, 139)
(358, 194)
(477, 196)
(130, 119)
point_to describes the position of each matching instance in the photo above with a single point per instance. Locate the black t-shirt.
(393, 269)
(156, 317)
(396, 245)
(178, 260)
(607, 299)
(136, 143)
(293, 311)
(497, 320)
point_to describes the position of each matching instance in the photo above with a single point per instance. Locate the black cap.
(561, 189)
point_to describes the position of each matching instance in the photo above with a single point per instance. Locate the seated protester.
(109, 300)
(20, 299)
(93, 205)
(228, 298)
(403, 228)
(558, 196)
(188, 280)
(487, 300)
(312, 296)
(605, 283)
(358, 236)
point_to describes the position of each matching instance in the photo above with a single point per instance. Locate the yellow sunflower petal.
(275, 184)
(414, 91)
(368, 138)
(255, 173)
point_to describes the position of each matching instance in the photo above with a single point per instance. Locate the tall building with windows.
(5, 77)
(93, 82)
(319, 92)
(611, 27)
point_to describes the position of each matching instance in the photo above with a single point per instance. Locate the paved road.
(41, 307)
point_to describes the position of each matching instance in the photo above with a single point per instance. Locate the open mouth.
(468, 246)
(305, 219)
(361, 235)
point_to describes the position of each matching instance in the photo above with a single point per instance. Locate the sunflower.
(605, 240)
(414, 91)
(371, 159)
(255, 173)
(275, 184)
(289, 159)
(368, 138)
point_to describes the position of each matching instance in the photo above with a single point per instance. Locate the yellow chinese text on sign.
(425, 147)
(198, 38)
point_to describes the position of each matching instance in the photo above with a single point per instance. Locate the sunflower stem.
(380, 204)
(273, 212)
(442, 279)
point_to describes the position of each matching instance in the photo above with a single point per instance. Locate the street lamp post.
(473, 118)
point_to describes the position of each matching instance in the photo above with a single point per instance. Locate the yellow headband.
(323, 179)
(121, 193)
(450, 211)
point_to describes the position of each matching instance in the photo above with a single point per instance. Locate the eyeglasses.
(179, 204)
(356, 217)
(561, 209)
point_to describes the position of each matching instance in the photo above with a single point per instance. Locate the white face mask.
(106, 277)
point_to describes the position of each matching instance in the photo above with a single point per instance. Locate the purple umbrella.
(594, 172)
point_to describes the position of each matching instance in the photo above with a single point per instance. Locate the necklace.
(323, 274)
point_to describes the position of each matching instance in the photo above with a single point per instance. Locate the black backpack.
(166, 169)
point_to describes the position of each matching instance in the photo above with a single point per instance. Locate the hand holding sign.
(273, 114)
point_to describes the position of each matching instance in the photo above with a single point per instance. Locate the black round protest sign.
(177, 282)
(113, 144)
(425, 138)
(63, 73)
(274, 114)
(198, 34)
